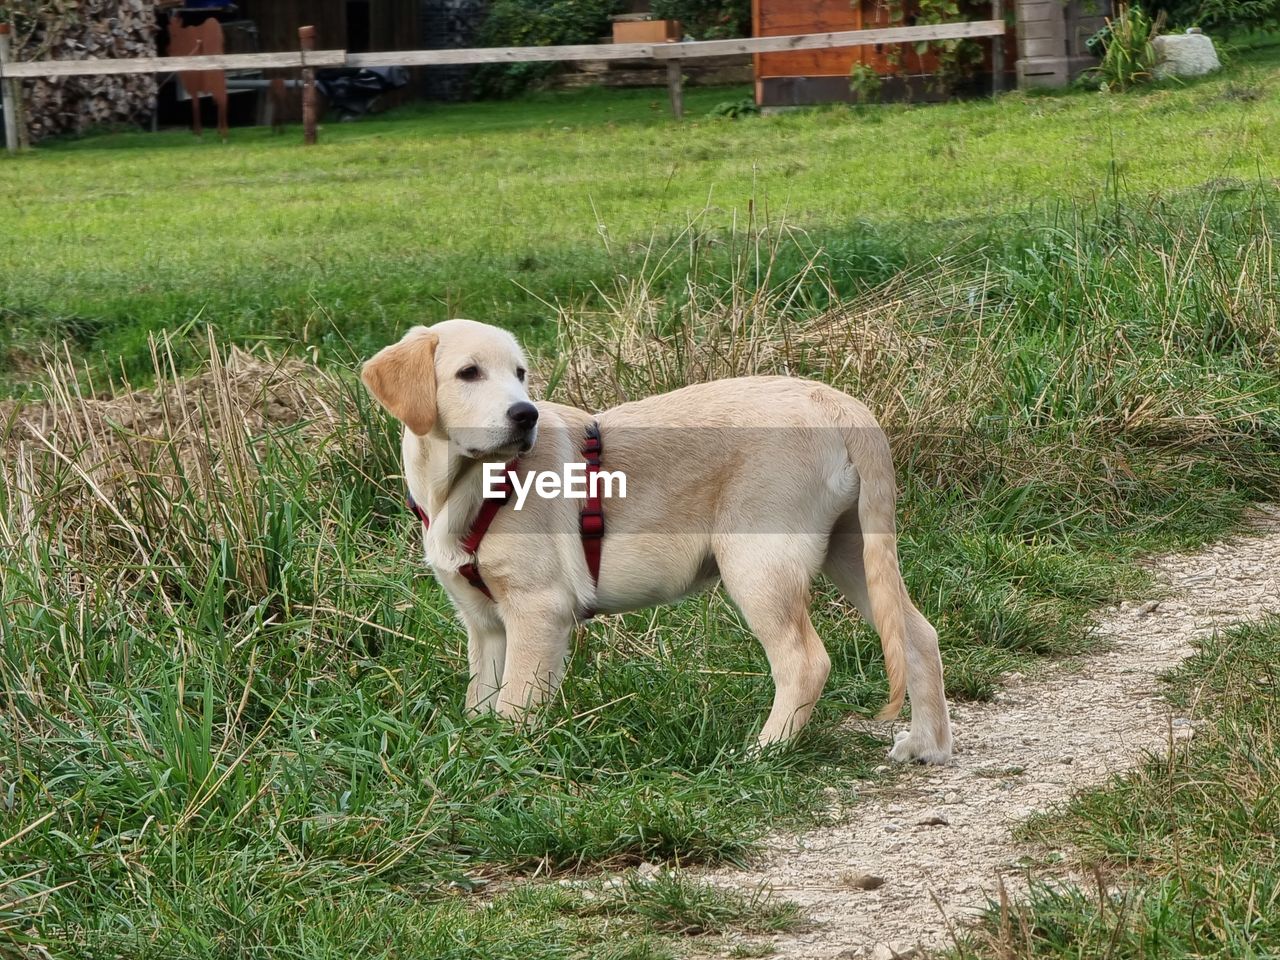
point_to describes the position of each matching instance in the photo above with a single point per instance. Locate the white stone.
(1184, 55)
(647, 871)
(892, 951)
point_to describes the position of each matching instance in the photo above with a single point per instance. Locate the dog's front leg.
(538, 631)
(487, 653)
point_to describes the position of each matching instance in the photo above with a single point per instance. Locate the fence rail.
(308, 59)
(678, 51)
(20, 69)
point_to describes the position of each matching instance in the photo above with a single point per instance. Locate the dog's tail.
(877, 508)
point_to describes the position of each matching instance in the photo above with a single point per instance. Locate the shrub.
(1220, 15)
(866, 83)
(535, 23)
(708, 19)
(734, 109)
(1127, 51)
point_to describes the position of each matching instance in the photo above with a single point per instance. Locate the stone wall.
(1051, 36)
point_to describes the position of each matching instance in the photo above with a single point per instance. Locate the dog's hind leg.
(929, 738)
(768, 576)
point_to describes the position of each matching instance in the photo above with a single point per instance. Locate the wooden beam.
(426, 58)
(432, 58)
(307, 41)
(9, 94)
(126, 65)
(997, 51)
(679, 51)
(675, 87)
(823, 41)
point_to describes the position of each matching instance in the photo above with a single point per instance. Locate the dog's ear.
(402, 377)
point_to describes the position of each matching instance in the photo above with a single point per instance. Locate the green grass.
(492, 209)
(235, 699)
(1184, 849)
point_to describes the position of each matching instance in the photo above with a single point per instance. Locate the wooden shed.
(803, 77)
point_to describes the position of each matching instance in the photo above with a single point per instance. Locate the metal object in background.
(353, 91)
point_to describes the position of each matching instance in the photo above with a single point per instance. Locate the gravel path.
(940, 837)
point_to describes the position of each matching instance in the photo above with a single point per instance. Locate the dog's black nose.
(523, 414)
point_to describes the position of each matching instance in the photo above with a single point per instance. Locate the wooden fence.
(308, 59)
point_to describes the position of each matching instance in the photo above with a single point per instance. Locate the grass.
(492, 210)
(1183, 850)
(232, 716)
(241, 703)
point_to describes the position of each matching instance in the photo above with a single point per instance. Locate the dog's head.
(459, 380)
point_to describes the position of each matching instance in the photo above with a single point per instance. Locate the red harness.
(590, 520)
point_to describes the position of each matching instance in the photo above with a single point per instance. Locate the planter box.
(646, 31)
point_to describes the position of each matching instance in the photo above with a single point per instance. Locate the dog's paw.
(911, 749)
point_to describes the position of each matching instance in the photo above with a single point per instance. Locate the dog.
(758, 482)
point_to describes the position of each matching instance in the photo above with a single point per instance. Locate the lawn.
(233, 719)
(490, 210)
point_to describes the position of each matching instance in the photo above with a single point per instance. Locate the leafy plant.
(535, 23)
(957, 58)
(708, 19)
(1127, 51)
(1219, 15)
(866, 83)
(734, 109)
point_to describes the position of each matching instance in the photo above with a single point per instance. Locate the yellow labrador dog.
(758, 482)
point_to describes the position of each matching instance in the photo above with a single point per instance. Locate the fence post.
(9, 94)
(675, 86)
(997, 50)
(307, 40)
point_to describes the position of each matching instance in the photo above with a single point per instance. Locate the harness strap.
(489, 508)
(590, 520)
(412, 504)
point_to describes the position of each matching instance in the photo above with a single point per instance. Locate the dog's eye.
(520, 372)
(469, 373)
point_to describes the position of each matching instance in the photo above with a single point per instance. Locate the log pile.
(63, 30)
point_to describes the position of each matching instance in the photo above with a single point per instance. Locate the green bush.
(734, 109)
(1219, 16)
(535, 23)
(866, 83)
(708, 19)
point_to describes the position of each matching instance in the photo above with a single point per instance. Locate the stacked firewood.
(77, 30)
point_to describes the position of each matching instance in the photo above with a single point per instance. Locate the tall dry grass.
(1150, 357)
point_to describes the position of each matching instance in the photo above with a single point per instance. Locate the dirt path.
(941, 837)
